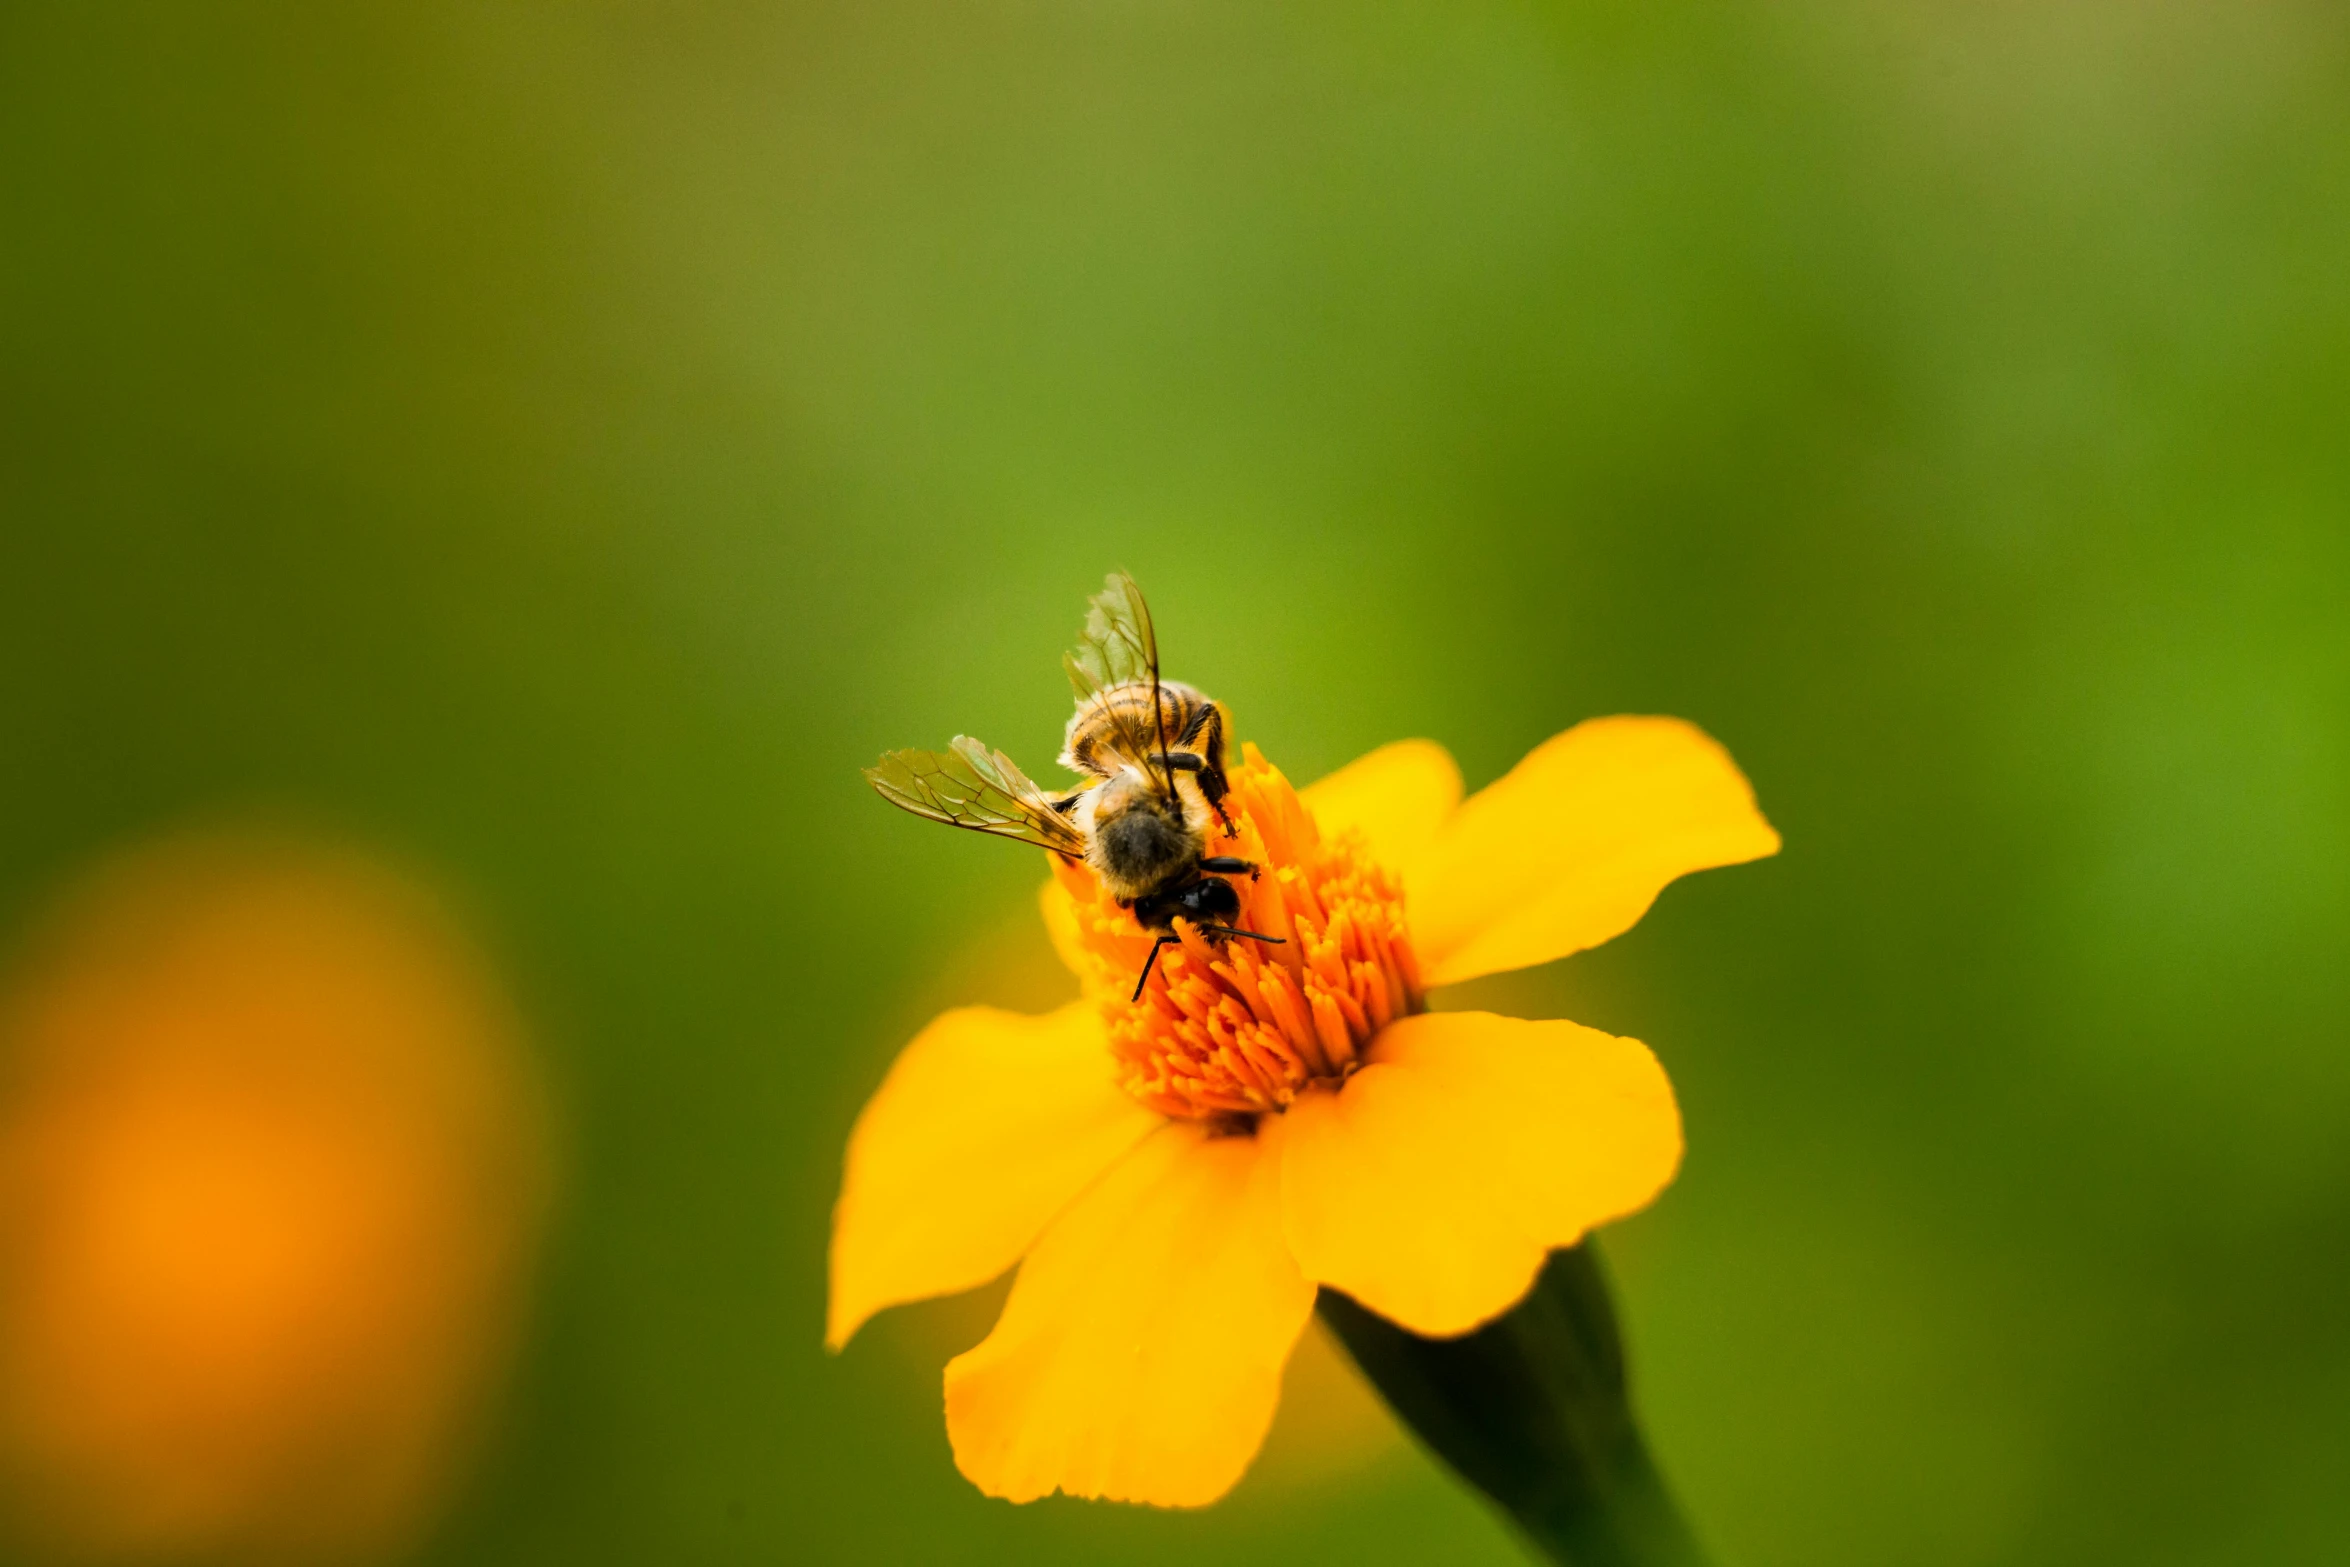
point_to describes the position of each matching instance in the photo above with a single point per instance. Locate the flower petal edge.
(988, 1124)
(1433, 1183)
(1571, 847)
(1139, 1357)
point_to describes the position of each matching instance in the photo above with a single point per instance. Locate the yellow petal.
(1399, 795)
(1432, 1184)
(1572, 846)
(989, 1123)
(1139, 1357)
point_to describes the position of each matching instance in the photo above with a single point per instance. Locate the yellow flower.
(1177, 1175)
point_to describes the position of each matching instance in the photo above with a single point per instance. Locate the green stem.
(1532, 1409)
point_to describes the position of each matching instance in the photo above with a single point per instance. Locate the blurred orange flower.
(271, 1164)
(1177, 1174)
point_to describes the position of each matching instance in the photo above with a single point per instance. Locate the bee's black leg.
(1210, 739)
(1212, 788)
(1147, 963)
(1226, 865)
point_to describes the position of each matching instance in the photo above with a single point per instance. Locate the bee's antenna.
(1144, 977)
(1235, 930)
(1159, 719)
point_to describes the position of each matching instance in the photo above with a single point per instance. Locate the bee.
(1151, 752)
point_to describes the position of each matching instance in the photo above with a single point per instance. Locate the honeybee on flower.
(1178, 1164)
(1152, 751)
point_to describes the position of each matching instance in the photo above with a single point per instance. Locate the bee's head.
(1140, 833)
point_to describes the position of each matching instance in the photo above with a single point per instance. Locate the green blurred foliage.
(567, 442)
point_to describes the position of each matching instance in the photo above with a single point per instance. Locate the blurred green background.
(565, 443)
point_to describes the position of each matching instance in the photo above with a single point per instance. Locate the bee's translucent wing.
(971, 786)
(1118, 648)
(1118, 644)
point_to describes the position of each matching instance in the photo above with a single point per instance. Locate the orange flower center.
(1237, 1028)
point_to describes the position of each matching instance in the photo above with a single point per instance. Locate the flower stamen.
(1242, 1028)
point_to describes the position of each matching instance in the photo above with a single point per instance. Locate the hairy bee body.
(1153, 752)
(1098, 738)
(1141, 841)
(1146, 823)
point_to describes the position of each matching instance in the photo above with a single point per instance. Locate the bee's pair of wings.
(970, 786)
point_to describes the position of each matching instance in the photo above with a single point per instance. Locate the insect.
(1152, 754)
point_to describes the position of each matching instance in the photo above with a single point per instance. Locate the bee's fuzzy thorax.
(1091, 742)
(1139, 834)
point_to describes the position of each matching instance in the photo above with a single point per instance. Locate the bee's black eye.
(1216, 898)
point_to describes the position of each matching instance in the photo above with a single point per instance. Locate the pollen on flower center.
(1242, 1028)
